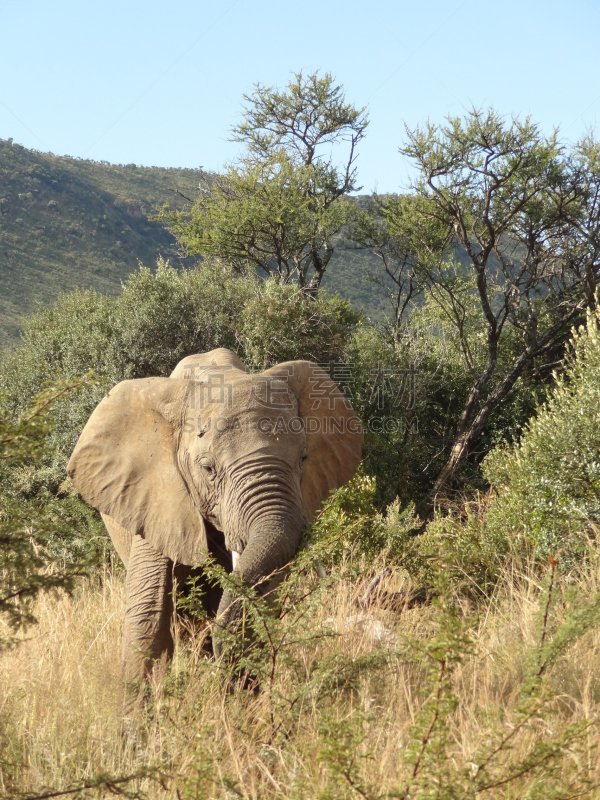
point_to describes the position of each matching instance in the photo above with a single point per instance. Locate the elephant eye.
(207, 466)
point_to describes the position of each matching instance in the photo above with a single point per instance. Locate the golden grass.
(334, 721)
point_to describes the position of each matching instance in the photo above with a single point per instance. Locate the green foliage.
(31, 533)
(280, 323)
(278, 208)
(310, 113)
(544, 500)
(473, 554)
(263, 215)
(382, 390)
(306, 708)
(501, 237)
(548, 485)
(409, 391)
(348, 521)
(350, 529)
(163, 316)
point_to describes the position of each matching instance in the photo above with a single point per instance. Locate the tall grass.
(439, 701)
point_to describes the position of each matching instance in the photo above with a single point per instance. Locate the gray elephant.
(210, 461)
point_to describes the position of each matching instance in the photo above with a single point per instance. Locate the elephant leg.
(148, 613)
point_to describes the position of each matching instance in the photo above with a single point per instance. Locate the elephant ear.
(191, 366)
(125, 465)
(333, 431)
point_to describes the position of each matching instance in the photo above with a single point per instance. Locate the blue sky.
(161, 84)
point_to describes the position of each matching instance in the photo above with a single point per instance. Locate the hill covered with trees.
(67, 223)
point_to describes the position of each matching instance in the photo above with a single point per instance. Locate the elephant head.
(215, 447)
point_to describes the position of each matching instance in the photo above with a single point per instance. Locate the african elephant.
(212, 460)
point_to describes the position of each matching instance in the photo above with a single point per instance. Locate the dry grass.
(334, 720)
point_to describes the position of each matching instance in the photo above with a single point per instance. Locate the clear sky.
(160, 84)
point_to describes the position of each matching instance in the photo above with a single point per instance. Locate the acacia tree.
(502, 235)
(278, 207)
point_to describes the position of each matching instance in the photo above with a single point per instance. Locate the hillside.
(67, 223)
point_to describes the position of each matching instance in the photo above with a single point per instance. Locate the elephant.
(211, 461)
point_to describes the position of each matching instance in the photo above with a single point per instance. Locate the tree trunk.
(470, 427)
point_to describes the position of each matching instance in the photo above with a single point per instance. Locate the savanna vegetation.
(68, 223)
(438, 635)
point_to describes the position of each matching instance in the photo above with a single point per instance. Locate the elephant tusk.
(320, 570)
(235, 557)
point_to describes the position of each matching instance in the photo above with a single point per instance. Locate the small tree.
(279, 206)
(30, 531)
(547, 487)
(502, 235)
(280, 323)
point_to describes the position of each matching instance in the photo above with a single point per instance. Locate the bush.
(382, 390)
(548, 486)
(165, 316)
(281, 323)
(409, 387)
(159, 319)
(350, 528)
(544, 501)
(33, 533)
(472, 553)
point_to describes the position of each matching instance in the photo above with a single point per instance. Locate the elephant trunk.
(276, 522)
(272, 543)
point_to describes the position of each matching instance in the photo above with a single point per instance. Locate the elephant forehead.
(250, 430)
(224, 391)
(255, 443)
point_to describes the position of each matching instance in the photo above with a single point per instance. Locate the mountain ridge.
(69, 223)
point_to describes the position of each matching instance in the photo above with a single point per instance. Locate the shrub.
(281, 323)
(32, 532)
(350, 527)
(544, 500)
(548, 485)
(164, 316)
